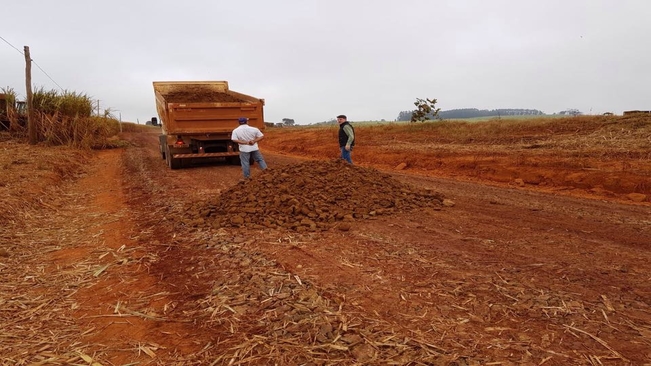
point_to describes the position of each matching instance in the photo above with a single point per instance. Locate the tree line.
(474, 113)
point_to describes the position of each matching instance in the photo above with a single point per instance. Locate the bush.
(65, 118)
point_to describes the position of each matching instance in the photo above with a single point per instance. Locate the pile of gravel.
(311, 196)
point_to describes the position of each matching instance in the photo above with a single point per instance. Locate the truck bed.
(204, 107)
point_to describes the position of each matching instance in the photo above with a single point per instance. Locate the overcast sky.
(314, 59)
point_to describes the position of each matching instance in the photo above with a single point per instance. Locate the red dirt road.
(505, 276)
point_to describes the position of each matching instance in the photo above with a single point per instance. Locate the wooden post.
(31, 122)
(97, 107)
(120, 122)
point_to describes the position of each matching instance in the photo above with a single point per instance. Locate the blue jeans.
(346, 154)
(245, 161)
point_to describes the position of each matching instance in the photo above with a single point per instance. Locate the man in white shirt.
(247, 137)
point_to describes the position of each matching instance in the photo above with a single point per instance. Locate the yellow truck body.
(197, 118)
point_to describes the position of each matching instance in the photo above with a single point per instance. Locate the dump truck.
(197, 118)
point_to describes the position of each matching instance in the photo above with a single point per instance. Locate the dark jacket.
(343, 137)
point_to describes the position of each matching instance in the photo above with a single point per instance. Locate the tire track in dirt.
(122, 312)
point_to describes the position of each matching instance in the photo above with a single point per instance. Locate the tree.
(571, 112)
(425, 109)
(574, 112)
(404, 116)
(288, 121)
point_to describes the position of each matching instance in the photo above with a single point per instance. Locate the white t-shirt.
(246, 133)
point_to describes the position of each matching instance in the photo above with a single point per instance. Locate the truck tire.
(233, 160)
(172, 162)
(162, 143)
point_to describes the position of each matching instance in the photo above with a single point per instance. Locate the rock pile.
(311, 196)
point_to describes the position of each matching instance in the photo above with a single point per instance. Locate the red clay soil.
(311, 197)
(142, 266)
(197, 94)
(592, 156)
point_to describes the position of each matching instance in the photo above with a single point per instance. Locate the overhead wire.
(7, 42)
(37, 65)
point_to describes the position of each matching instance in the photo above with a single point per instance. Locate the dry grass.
(66, 118)
(600, 134)
(135, 127)
(80, 132)
(274, 316)
(34, 299)
(31, 176)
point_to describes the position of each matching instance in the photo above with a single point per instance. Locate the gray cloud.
(312, 60)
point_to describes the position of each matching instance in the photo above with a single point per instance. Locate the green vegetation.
(425, 110)
(66, 103)
(10, 95)
(66, 118)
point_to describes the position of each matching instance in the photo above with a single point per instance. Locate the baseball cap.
(243, 120)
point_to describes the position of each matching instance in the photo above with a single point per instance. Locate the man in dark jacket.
(346, 138)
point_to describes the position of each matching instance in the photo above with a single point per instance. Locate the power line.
(7, 42)
(48, 76)
(37, 65)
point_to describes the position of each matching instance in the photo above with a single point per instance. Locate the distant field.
(477, 119)
(609, 154)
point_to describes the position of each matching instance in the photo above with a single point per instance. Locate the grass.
(66, 119)
(601, 131)
(66, 103)
(493, 118)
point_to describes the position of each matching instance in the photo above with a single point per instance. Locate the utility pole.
(120, 122)
(97, 107)
(31, 123)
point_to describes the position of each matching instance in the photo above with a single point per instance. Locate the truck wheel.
(162, 144)
(172, 162)
(233, 160)
(175, 163)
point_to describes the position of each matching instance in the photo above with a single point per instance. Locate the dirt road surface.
(127, 272)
